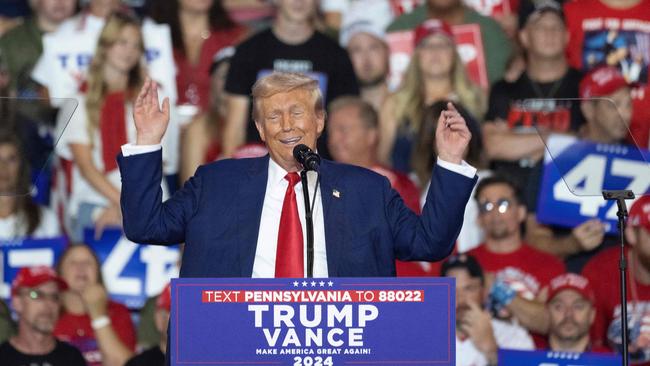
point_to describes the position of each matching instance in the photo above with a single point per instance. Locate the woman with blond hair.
(101, 124)
(435, 72)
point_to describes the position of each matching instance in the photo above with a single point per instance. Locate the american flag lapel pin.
(336, 193)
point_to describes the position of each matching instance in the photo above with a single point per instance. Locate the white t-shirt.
(67, 54)
(507, 335)
(77, 132)
(68, 51)
(15, 226)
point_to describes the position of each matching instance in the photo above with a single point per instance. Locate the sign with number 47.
(577, 171)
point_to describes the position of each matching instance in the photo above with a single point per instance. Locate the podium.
(319, 321)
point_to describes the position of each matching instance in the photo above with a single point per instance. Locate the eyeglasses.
(38, 295)
(501, 206)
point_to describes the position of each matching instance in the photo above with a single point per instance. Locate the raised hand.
(477, 324)
(589, 234)
(452, 135)
(150, 119)
(95, 300)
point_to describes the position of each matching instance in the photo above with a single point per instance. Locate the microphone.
(306, 157)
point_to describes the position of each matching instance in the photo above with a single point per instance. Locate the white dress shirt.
(267, 239)
(276, 187)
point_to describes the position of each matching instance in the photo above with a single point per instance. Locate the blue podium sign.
(551, 358)
(328, 321)
(579, 171)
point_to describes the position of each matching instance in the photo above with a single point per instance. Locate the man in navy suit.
(234, 215)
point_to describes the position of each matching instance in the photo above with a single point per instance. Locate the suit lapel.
(249, 211)
(333, 203)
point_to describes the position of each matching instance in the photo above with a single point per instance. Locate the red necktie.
(289, 255)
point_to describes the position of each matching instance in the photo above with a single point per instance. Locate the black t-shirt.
(63, 354)
(319, 56)
(508, 102)
(151, 357)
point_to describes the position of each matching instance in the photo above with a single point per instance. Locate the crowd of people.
(520, 72)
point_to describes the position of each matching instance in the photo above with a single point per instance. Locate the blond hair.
(284, 82)
(96, 86)
(409, 98)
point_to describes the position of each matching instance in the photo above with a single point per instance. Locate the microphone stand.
(620, 197)
(309, 221)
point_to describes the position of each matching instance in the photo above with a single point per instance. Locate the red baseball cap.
(430, 27)
(571, 281)
(602, 81)
(31, 277)
(640, 213)
(165, 298)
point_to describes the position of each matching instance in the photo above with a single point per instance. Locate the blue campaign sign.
(328, 321)
(132, 272)
(27, 252)
(576, 172)
(551, 358)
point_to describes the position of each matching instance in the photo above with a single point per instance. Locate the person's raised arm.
(234, 131)
(113, 349)
(432, 236)
(387, 130)
(146, 219)
(584, 237)
(503, 144)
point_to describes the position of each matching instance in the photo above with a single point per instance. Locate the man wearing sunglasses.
(519, 272)
(36, 299)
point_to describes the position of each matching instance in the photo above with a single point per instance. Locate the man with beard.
(521, 273)
(478, 334)
(36, 300)
(602, 271)
(363, 36)
(571, 313)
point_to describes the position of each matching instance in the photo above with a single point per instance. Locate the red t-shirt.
(602, 272)
(527, 269)
(640, 125)
(193, 80)
(619, 37)
(596, 31)
(76, 330)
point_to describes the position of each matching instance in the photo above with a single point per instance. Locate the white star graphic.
(330, 283)
(322, 284)
(304, 283)
(295, 283)
(313, 283)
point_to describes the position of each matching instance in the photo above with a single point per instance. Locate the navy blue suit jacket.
(217, 214)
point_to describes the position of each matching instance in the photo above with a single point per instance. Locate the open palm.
(150, 119)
